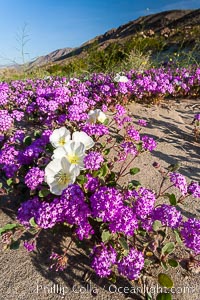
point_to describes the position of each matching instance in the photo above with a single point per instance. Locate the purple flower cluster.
(133, 133)
(93, 160)
(103, 258)
(125, 223)
(4, 89)
(6, 121)
(144, 202)
(34, 177)
(120, 121)
(8, 158)
(70, 207)
(106, 204)
(30, 246)
(59, 262)
(148, 143)
(28, 210)
(129, 148)
(17, 115)
(197, 117)
(190, 233)
(131, 265)
(120, 110)
(46, 215)
(142, 122)
(95, 129)
(168, 215)
(194, 189)
(92, 183)
(179, 181)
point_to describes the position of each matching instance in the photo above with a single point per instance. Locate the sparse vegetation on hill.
(153, 40)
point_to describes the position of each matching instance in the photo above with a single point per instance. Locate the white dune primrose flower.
(60, 137)
(73, 151)
(59, 173)
(120, 78)
(96, 115)
(84, 138)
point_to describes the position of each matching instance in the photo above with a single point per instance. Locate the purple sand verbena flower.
(179, 181)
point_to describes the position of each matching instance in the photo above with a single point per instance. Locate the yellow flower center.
(63, 178)
(62, 141)
(73, 158)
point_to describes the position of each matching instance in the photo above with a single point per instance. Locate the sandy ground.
(25, 276)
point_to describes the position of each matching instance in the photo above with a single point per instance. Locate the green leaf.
(15, 245)
(111, 183)
(104, 170)
(134, 171)
(98, 219)
(164, 296)
(27, 140)
(32, 222)
(8, 227)
(112, 278)
(50, 147)
(37, 134)
(106, 122)
(105, 236)
(123, 243)
(173, 263)
(168, 248)
(133, 184)
(156, 225)
(43, 193)
(112, 176)
(165, 280)
(164, 265)
(96, 173)
(1, 185)
(149, 296)
(139, 147)
(147, 262)
(141, 232)
(9, 181)
(178, 238)
(172, 198)
(106, 151)
(81, 179)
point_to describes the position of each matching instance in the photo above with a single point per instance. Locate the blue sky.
(55, 24)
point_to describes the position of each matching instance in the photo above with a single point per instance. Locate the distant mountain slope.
(161, 23)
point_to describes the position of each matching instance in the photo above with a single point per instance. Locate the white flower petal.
(101, 117)
(91, 117)
(81, 136)
(53, 167)
(60, 137)
(120, 78)
(59, 152)
(59, 179)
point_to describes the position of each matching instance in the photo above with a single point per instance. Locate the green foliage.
(134, 171)
(105, 236)
(165, 280)
(164, 296)
(173, 263)
(43, 193)
(8, 227)
(168, 248)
